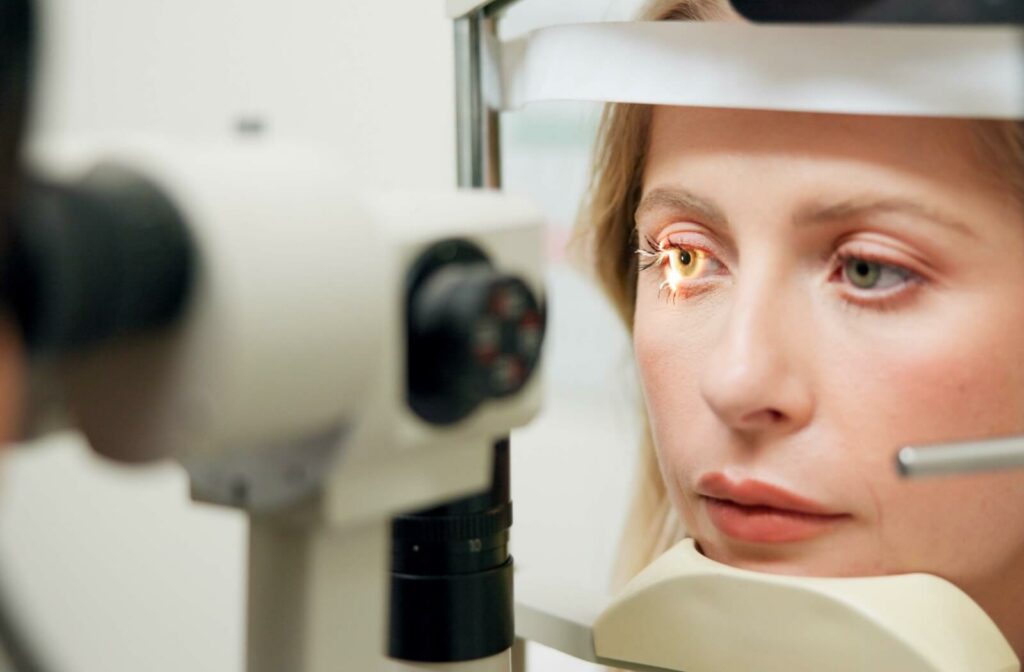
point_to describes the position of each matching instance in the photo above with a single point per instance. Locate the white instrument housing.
(290, 360)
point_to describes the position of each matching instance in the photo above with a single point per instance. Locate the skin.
(770, 363)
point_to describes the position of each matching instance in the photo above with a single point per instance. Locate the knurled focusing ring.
(451, 576)
(451, 544)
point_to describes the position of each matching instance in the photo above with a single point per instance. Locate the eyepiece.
(107, 257)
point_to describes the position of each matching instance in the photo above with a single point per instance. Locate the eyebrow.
(862, 207)
(674, 198)
(679, 199)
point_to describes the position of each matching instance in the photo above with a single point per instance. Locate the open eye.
(686, 269)
(683, 267)
(685, 262)
(868, 274)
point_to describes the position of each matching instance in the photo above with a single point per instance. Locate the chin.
(817, 558)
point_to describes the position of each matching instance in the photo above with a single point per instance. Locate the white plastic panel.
(900, 70)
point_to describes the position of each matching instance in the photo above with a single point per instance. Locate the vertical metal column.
(477, 120)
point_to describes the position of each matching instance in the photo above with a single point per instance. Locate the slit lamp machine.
(340, 347)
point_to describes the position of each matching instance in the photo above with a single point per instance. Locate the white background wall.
(113, 568)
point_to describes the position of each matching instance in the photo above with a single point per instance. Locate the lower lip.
(763, 524)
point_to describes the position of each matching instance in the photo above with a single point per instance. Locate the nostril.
(765, 417)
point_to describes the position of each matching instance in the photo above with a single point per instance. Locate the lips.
(758, 512)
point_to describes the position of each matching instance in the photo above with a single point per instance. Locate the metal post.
(317, 594)
(477, 120)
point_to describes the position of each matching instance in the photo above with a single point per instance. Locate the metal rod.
(961, 458)
(477, 121)
(317, 594)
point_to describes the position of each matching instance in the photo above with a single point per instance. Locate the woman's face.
(822, 290)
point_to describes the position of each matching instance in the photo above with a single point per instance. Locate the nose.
(756, 378)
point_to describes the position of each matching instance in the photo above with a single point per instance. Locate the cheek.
(968, 529)
(666, 355)
(926, 383)
(929, 383)
(669, 352)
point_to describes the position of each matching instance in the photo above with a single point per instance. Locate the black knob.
(474, 333)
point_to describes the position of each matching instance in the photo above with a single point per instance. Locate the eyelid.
(876, 300)
(896, 251)
(692, 239)
(869, 253)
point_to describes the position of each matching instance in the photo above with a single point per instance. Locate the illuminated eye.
(684, 262)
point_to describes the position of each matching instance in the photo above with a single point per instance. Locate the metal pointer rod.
(961, 457)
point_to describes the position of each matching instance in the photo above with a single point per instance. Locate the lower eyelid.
(890, 298)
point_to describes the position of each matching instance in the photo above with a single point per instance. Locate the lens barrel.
(107, 257)
(451, 581)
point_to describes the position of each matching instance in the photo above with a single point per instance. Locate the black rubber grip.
(105, 258)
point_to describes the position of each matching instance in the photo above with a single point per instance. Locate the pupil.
(863, 268)
(684, 257)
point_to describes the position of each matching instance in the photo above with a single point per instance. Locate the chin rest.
(687, 612)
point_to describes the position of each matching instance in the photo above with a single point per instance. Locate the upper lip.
(750, 492)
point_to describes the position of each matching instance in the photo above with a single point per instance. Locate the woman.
(807, 293)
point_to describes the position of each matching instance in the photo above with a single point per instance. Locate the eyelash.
(651, 250)
(882, 303)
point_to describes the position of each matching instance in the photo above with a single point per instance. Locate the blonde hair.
(605, 237)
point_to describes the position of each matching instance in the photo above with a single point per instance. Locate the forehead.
(927, 147)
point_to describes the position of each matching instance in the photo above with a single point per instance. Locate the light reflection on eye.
(679, 264)
(682, 265)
